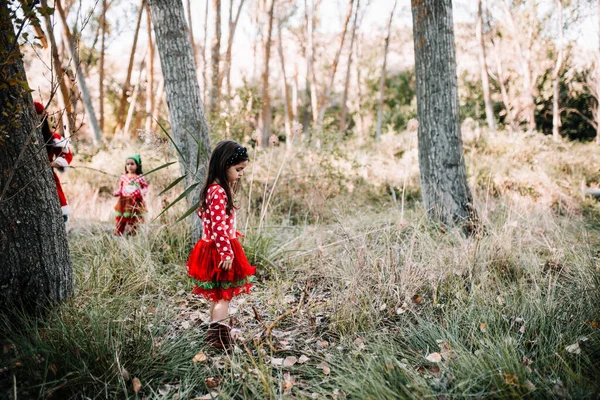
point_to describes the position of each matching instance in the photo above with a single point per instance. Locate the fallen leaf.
(522, 328)
(574, 348)
(125, 374)
(325, 368)
(303, 359)
(594, 324)
(209, 396)
(289, 361)
(137, 385)
(482, 327)
(185, 325)
(213, 382)
(382, 307)
(416, 299)
(434, 357)
(200, 357)
(529, 385)
(510, 379)
(277, 361)
(323, 343)
(52, 368)
(288, 383)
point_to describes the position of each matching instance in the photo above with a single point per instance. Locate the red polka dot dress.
(219, 243)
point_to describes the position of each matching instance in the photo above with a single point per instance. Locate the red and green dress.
(219, 243)
(130, 208)
(60, 154)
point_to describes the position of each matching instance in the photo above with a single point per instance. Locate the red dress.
(219, 243)
(130, 207)
(60, 153)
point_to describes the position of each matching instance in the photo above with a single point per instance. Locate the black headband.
(240, 154)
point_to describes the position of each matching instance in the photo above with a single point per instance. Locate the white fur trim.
(62, 163)
(65, 210)
(60, 143)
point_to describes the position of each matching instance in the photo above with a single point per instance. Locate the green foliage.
(399, 98)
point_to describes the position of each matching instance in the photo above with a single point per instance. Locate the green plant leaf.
(172, 184)
(178, 199)
(188, 212)
(160, 167)
(182, 157)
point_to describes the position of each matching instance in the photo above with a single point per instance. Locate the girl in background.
(130, 207)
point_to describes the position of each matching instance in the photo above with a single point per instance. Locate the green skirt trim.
(128, 214)
(209, 285)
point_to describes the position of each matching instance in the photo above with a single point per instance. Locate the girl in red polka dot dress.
(217, 264)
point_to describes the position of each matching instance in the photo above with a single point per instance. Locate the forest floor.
(359, 295)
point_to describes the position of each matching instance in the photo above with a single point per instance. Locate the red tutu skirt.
(129, 212)
(211, 281)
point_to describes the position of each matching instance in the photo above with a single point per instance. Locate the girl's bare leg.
(212, 310)
(220, 310)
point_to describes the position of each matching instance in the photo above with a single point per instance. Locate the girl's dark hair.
(47, 134)
(138, 169)
(225, 154)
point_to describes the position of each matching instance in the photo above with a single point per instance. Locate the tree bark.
(215, 60)
(383, 71)
(598, 79)
(287, 102)
(101, 72)
(35, 265)
(310, 59)
(157, 103)
(442, 167)
(327, 93)
(502, 82)
(191, 30)
(133, 103)
(264, 117)
(39, 32)
(186, 110)
(556, 75)
(127, 83)
(233, 22)
(485, 79)
(96, 136)
(149, 74)
(344, 112)
(204, 63)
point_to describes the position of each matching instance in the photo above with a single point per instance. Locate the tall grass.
(382, 287)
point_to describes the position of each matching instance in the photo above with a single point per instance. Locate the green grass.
(381, 290)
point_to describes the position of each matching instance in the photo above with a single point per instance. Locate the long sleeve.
(61, 151)
(220, 222)
(143, 185)
(119, 191)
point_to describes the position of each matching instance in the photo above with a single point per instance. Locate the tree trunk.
(157, 103)
(502, 82)
(67, 119)
(101, 74)
(556, 75)
(186, 110)
(204, 63)
(485, 79)
(442, 167)
(359, 87)
(310, 59)
(96, 136)
(382, 77)
(215, 59)
(34, 252)
(127, 84)
(287, 101)
(191, 31)
(264, 117)
(149, 74)
(233, 22)
(39, 32)
(133, 103)
(598, 79)
(344, 112)
(327, 93)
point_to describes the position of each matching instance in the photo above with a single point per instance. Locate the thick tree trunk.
(264, 117)
(101, 74)
(556, 75)
(442, 167)
(383, 72)
(186, 110)
(233, 22)
(127, 84)
(329, 88)
(35, 265)
(215, 59)
(149, 74)
(96, 136)
(344, 112)
(157, 103)
(287, 101)
(485, 78)
(598, 79)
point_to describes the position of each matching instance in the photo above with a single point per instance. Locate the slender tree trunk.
(327, 93)
(359, 87)
(264, 117)
(190, 27)
(232, 27)
(133, 103)
(215, 59)
(443, 174)
(310, 59)
(101, 72)
(502, 82)
(204, 63)
(186, 110)
(66, 114)
(39, 32)
(157, 103)
(127, 84)
(149, 74)
(96, 135)
(344, 112)
(295, 95)
(485, 79)
(556, 76)
(383, 72)
(287, 102)
(34, 252)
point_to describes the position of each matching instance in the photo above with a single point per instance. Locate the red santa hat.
(39, 107)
